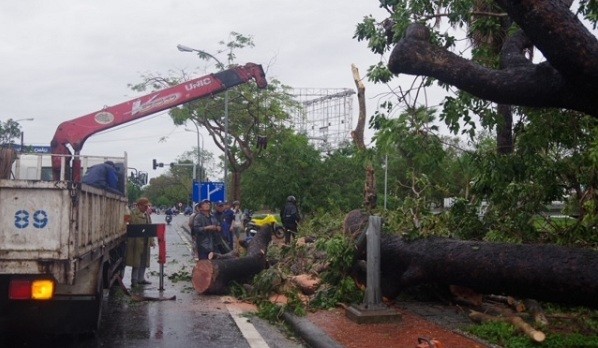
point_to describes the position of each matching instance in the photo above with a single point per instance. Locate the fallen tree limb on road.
(215, 276)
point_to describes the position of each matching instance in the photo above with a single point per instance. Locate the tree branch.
(529, 85)
(553, 28)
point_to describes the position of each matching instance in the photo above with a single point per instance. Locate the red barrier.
(161, 234)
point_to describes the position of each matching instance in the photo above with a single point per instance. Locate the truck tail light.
(24, 289)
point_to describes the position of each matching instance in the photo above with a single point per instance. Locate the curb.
(311, 334)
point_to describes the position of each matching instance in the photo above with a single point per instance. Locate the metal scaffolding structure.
(325, 115)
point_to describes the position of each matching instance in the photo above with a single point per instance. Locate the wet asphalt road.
(191, 320)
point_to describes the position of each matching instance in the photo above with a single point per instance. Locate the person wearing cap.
(226, 216)
(104, 176)
(138, 248)
(206, 229)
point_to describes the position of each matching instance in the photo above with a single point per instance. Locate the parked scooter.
(253, 224)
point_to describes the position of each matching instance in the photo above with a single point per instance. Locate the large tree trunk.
(215, 276)
(542, 272)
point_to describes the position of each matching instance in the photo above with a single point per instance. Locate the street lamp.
(199, 150)
(205, 55)
(23, 133)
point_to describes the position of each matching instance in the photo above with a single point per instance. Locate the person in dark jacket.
(289, 216)
(206, 229)
(225, 220)
(103, 176)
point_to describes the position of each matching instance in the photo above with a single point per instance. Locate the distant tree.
(134, 191)
(288, 166)
(169, 189)
(9, 131)
(254, 116)
(339, 184)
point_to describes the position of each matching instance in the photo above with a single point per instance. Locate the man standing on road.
(289, 216)
(222, 245)
(193, 236)
(206, 230)
(138, 248)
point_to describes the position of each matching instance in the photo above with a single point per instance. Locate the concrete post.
(373, 296)
(372, 310)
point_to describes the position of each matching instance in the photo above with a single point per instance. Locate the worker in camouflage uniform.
(138, 248)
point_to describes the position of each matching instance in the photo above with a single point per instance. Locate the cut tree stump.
(215, 276)
(538, 271)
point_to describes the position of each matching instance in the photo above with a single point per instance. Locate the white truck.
(63, 242)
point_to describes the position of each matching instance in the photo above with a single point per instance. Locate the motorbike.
(253, 223)
(168, 218)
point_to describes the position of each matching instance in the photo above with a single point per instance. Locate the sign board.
(29, 148)
(214, 191)
(143, 230)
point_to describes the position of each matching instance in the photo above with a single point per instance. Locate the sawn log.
(216, 275)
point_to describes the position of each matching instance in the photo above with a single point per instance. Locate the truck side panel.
(52, 227)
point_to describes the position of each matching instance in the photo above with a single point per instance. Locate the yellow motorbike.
(258, 221)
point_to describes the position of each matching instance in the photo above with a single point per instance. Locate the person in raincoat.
(138, 248)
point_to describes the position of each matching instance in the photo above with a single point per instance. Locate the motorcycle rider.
(289, 216)
(168, 216)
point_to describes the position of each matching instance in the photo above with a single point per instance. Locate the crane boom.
(76, 131)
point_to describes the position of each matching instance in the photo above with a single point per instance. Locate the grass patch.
(577, 327)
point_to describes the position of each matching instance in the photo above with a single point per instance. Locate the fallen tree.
(216, 275)
(542, 272)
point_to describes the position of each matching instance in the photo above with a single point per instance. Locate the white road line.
(184, 238)
(249, 331)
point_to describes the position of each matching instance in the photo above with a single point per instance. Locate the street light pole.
(202, 55)
(199, 150)
(23, 133)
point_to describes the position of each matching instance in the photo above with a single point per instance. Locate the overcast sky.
(62, 59)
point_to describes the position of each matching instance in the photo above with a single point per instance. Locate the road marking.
(253, 337)
(249, 332)
(184, 238)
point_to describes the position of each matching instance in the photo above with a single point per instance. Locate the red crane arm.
(76, 131)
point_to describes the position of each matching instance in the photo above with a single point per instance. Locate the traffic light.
(155, 164)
